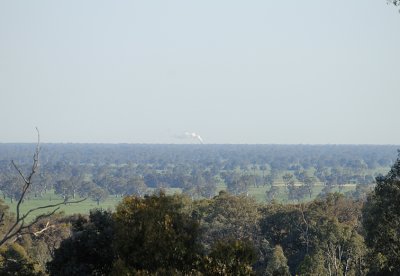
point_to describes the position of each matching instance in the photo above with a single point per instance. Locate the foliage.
(230, 257)
(7, 218)
(227, 216)
(156, 232)
(284, 225)
(89, 250)
(327, 228)
(277, 265)
(45, 237)
(15, 261)
(381, 220)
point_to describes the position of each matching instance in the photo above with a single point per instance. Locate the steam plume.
(194, 135)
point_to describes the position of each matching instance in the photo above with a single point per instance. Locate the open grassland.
(112, 201)
(74, 208)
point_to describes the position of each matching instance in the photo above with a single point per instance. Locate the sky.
(253, 72)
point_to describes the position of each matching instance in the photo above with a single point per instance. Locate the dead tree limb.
(19, 226)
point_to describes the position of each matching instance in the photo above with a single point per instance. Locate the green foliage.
(272, 194)
(334, 236)
(339, 249)
(328, 226)
(15, 261)
(313, 265)
(227, 216)
(98, 194)
(89, 251)
(381, 220)
(45, 237)
(156, 235)
(7, 218)
(156, 232)
(230, 257)
(277, 265)
(283, 225)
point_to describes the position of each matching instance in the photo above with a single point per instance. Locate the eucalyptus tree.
(155, 234)
(277, 264)
(89, 250)
(381, 220)
(136, 186)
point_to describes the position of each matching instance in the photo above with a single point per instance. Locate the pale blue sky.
(313, 72)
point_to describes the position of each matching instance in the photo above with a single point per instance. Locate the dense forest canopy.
(157, 154)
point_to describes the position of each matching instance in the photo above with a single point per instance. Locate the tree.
(336, 246)
(326, 190)
(67, 188)
(381, 220)
(155, 233)
(263, 168)
(89, 250)
(326, 227)
(229, 217)
(15, 261)
(136, 186)
(46, 237)
(277, 265)
(339, 249)
(230, 257)
(93, 191)
(291, 188)
(269, 179)
(284, 225)
(63, 188)
(272, 193)
(98, 194)
(238, 184)
(313, 265)
(309, 183)
(11, 187)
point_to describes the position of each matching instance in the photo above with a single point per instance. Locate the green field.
(111, 202)
(75, 208)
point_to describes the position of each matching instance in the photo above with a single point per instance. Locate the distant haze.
(288, 72)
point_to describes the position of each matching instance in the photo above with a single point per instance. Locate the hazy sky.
(311, 72)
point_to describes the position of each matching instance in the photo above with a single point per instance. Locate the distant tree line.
(98, 171)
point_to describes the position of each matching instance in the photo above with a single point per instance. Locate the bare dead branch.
(47, 227)
(19, 227)
(28, 180)
(19, 171)
(38, 218)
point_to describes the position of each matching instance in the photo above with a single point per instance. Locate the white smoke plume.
(194, 135)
